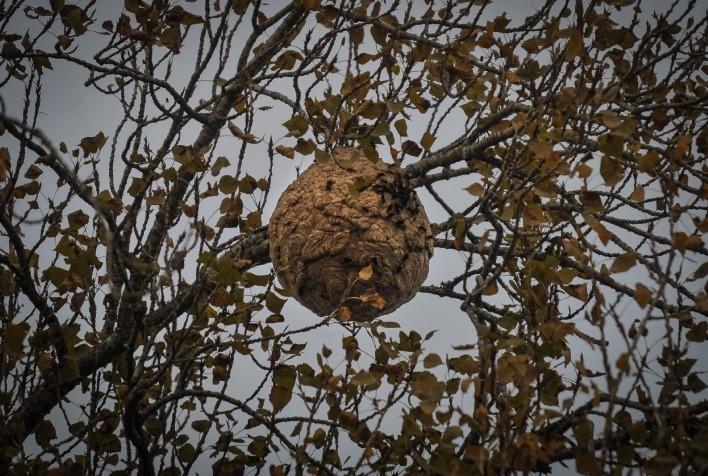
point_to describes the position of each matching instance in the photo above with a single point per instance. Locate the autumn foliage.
(560, 155)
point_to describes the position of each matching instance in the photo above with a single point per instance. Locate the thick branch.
(460, 154)
(230, 96)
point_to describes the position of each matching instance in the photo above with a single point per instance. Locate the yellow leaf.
(374, 300)
(297, 126)
(366, 273)
(572, 246)
(491, 289)
(533, 214)
(14, 337)
(476, 189)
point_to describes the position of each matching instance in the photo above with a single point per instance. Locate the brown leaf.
(592, 201)
(427, 140)
(642, 295)
(624, 262)
(611, 170)
(648, 161)
(432, 360)
(297, 126)
(575, 46)
(599, 228)
(345, 314)
(611, 144)
(288, 152)
(364, 378)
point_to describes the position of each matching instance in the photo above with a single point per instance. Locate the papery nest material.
(351, 236)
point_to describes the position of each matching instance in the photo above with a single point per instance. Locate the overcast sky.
(70, 111)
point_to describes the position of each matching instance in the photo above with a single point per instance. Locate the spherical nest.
(338, 219)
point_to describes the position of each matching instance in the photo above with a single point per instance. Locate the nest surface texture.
(337, 219)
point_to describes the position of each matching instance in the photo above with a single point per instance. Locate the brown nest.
(338, 219)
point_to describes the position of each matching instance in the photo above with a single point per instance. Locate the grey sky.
(70, 111)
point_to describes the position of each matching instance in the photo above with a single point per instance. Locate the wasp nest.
(351, 233)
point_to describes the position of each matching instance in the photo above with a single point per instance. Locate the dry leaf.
(366, 273)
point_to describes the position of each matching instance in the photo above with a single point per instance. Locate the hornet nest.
(338, 219)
